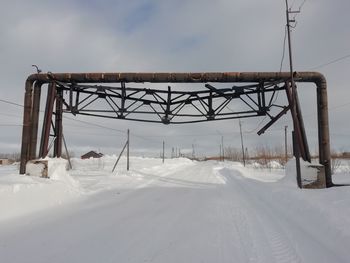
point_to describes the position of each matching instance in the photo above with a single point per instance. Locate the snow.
(35, 169)
(179, 211)
(21, 194)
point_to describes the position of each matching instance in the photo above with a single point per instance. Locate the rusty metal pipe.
(26, 128)
(35, 120)
(323, 129)
(175, 77)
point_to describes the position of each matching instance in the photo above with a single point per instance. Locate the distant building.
(345, 155)
(5, 161)
(91, 154)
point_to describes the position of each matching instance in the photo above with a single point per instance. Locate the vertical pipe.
(128, 153)
(26, 129)
(58, 124)
(323, 130)
(35, 120)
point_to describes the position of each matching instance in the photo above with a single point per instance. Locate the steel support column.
(58, 124)
(45, 134)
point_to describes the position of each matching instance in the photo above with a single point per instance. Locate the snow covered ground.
(179, 211)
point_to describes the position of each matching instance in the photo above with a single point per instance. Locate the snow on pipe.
(199, 77)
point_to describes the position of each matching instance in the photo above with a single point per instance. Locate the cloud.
(184, 35)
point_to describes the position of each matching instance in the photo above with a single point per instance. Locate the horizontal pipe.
(198, 77)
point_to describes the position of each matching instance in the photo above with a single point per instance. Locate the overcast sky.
(173, 36)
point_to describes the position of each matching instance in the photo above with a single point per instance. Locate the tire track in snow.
(289, 237)
(257, 225)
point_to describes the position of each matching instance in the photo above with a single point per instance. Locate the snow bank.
(21, 194)
(96, 175)
(267, 175)
(268, 165)
(308, 173)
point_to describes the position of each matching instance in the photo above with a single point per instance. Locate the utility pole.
(223, 149)
(163, 150)
(127, 152)
(285, 143)
(240, 130)
(192, 151)
(293, 106)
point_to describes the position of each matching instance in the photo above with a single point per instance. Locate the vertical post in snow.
(223, 148)
(67, 153)
(285, 143)
(163, 151)
(240, 130)
(127, 152)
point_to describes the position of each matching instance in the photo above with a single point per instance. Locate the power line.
(257, 126)
(144, 138)
(94, 124)
(302, 4)
(10, 125)
(284, 47)
(12, 103)
(11, 115)
(299, 10)
(331, 62)
(85, 122)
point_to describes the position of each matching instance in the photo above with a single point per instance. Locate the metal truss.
(171, 105)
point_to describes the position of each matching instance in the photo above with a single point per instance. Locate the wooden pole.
(128, 152)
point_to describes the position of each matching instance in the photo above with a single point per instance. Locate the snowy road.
(202, 212)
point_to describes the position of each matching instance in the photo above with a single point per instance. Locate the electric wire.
(12, 103)
(331, 62)
(284, 48)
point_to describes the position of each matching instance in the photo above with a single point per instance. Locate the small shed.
(91, 154)
(4, 161)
